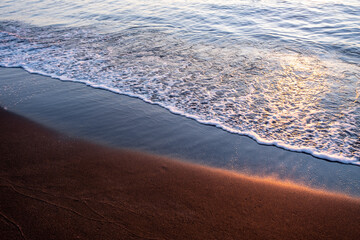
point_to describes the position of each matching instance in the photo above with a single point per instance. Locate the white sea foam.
(298, 100)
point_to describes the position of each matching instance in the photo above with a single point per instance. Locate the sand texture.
(56, 187)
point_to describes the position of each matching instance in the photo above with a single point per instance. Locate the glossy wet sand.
(56, 187)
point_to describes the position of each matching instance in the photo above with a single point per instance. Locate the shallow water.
(120, 121)
(286, 73)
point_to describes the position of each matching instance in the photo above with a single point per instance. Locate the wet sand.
(121, 121)
(56, 187)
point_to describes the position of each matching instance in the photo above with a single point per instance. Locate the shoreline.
(313, 152)
(120, 121)
(57, 187)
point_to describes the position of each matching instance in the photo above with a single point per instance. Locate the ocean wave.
(284, 95)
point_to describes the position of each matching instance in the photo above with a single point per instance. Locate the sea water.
(286, 73)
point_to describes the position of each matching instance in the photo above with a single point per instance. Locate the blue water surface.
(286, 73)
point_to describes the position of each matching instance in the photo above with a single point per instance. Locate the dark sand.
(55, 187)
(125, 122)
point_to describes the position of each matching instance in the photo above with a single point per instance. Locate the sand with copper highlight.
(55, 187)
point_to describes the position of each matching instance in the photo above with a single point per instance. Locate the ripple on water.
(280, 75)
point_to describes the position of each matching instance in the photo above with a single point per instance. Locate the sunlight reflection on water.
(283, 72)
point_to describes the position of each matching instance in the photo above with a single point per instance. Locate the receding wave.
(281, 95)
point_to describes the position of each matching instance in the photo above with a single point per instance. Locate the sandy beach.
(179, 119)
(56, 187)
